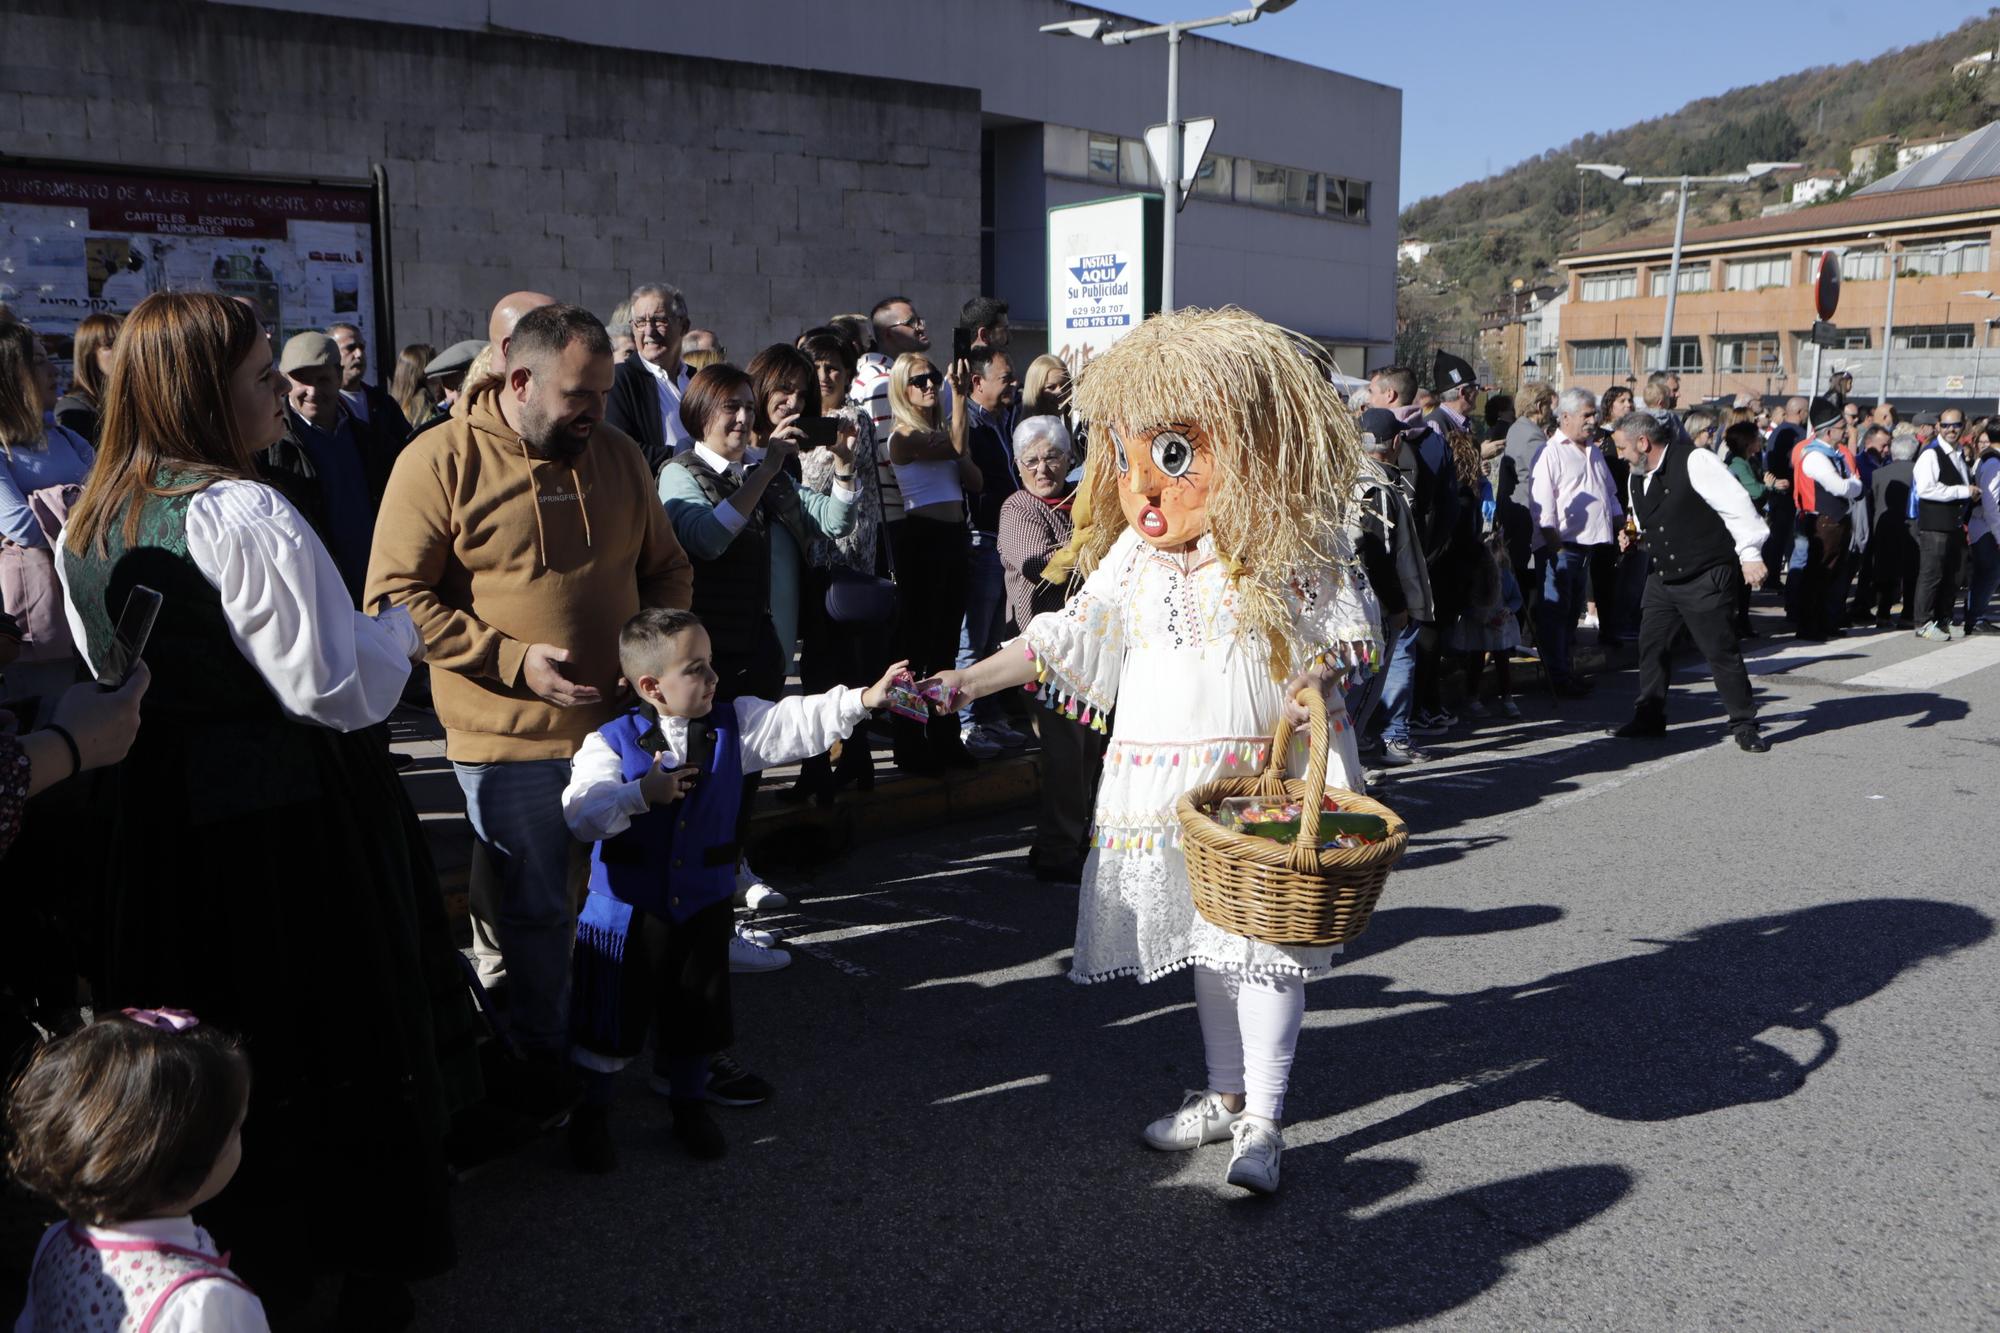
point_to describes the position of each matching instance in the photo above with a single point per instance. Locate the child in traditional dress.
(657, 791)
(1228, 587)
(128, 1126)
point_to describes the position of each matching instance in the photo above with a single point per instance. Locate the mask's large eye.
(1172, 453)
(1118, 450)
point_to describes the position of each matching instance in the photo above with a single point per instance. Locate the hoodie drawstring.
(581, 507)
(535, 493)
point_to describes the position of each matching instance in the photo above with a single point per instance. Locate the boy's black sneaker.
(730, 1084)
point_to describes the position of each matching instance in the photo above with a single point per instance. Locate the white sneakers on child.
(1254, 1163)
(747, 955)
(1202, 1119)
(752, 892)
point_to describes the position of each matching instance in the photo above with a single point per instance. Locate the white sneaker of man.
(744, 956)
(752, 892)
(981, 743)
(1254, 1163)
(763, 939)
(1201, 1119)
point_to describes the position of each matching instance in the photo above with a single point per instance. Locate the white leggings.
(1250, 1027)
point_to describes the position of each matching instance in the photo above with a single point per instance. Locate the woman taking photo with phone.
(832, 651)
(933, 547)
(263, 866)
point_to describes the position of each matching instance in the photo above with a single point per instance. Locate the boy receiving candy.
(657, 791)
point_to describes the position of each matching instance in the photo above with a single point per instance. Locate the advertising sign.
(75, 241)
(1103, 272)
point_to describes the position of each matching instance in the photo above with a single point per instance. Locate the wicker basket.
(1298, 893)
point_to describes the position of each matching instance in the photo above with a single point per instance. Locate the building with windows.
(780, 161)
(1744, 313)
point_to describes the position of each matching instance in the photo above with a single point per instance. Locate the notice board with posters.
(1103, 272)
(77, 239)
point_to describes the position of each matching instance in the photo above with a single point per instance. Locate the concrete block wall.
(772, 197)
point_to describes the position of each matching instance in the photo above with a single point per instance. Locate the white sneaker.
(1202, 1119)
(981, 743)
(752, 892)
(1508, 708)
(1474, 708)
(745, 956)
(1254, 1164)
(763, 939)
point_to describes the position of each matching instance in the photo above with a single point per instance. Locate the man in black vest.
(1705, 540)
(1944, 493)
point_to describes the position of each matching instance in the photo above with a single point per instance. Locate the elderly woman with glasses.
(1035, 523)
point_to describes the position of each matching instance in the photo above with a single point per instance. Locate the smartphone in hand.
(128, 643)
(961, 345)
(820, 432)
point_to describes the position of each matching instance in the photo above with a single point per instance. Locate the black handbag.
(855, 598)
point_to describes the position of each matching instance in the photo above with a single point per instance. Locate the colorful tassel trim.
(1246, 754)
(1135, 842)
(1074, 707)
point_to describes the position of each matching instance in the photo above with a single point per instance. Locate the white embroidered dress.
(1154, 635)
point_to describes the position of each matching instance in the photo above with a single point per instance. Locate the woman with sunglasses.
(933, 550)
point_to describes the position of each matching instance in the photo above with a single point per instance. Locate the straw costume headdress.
(1286, 453)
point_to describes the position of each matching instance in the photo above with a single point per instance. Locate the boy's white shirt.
(598, 803)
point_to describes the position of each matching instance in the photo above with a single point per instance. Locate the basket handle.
(1305, 848)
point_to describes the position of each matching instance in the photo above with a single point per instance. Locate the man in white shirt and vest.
(1941, 496)
(1705, 540)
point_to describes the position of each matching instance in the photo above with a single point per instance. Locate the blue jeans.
(1399, 684)
(1565, 584)
(1985, 579)
(516, 813)
(985, 623)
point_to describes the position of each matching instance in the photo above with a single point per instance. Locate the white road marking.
(1596, 789)
(1034, 1081)
(1929, 670)
(857, 932)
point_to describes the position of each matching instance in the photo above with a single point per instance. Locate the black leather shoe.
(1753, 741)
(1640, 727)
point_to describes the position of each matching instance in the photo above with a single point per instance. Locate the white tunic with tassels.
(1153, 639)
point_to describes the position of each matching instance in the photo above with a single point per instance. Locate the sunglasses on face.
(925, 381)
(1951, 425)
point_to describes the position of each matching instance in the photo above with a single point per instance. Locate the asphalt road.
(1644, 1035)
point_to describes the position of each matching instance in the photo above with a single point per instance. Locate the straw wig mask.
(1286, 454)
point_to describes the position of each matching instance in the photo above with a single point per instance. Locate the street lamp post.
(1985, 332)
(1095, 30)
(1613, 171)
(1890, 255)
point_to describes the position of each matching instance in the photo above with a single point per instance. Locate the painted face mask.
(1163, 478)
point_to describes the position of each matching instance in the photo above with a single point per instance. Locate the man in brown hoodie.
(521, 537)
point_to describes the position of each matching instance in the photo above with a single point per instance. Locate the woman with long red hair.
(263, 867)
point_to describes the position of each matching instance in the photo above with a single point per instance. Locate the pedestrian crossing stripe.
(1927, 671)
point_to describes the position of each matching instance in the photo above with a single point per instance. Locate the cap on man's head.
(1926, 419)
(303, 351)
(1827, 419)
(1842, 369)
(1382, 424)
(454, 359)
(1452, 372)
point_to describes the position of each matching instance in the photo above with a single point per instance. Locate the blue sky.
(1518, 79)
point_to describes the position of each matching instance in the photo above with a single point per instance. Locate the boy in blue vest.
(657, 791)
